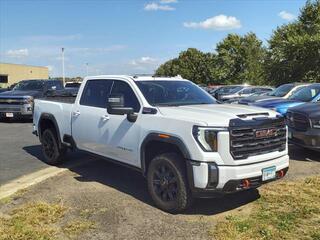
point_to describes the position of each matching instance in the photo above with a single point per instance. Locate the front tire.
(168, 184)
(53, 155)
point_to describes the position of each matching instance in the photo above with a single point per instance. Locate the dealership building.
(13, 73)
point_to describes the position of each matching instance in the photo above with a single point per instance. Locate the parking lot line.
(23, 182)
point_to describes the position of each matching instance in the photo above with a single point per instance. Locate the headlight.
(207, 138)
(28, 100)
(315, 123)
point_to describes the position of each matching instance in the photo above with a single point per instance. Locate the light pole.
(87, 67)
(63, 76)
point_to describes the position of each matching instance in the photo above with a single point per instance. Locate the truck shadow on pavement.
(128, 181)
(131, 182)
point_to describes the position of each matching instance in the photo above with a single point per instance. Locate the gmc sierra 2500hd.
(180, 138)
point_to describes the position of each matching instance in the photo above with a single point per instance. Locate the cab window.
(95, 93)
(130, 99)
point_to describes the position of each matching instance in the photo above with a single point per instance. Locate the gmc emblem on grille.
(264, 133)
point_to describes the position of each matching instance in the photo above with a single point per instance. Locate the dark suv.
(304, 125)
(18, 102)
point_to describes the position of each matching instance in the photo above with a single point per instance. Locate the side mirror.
(115, 105)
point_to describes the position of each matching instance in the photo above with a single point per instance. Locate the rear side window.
(95, 93)
(130, 99)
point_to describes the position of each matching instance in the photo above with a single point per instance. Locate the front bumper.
(18, 111)
(209, 179)
(308, 139)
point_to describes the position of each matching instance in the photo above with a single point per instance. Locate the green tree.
(240, 59)
(294, 49)
(191, 64)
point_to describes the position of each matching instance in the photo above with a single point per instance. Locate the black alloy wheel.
(53, 155)
(167, 183)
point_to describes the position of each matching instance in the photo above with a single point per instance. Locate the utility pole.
(63, 76)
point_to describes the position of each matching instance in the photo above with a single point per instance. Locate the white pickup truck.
(180, 138)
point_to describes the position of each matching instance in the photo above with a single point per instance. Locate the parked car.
(225, 90)
(180, 138)
(246, 92)
(72, 87)
(304, 125)
(18, 103)
(283, 91)
(8, 88)
(305, 94)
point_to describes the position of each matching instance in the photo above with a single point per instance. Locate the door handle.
(76, 113)
(105, 117)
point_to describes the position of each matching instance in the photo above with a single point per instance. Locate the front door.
(122, 137)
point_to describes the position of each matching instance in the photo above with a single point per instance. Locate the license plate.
(9, 115)
(268, 173)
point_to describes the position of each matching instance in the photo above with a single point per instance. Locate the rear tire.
(52, 153)
(168, 184)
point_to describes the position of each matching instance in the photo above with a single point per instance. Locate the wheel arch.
(163, 142)
(48, 120)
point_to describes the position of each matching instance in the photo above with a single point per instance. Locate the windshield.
(173, 93)
(306, 94)
(282, 90)
(29, 85)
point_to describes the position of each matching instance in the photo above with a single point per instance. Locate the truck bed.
(58, 106)
(61, 99)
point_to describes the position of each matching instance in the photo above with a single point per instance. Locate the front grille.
(9, 110)
(298, 121)
(256, 137)
(11, 101)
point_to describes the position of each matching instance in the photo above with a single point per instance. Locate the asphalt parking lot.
(20, 154)
(115, 197)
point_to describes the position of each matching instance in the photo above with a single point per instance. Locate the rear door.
(90, 117)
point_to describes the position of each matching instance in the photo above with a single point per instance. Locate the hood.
(17, 93)
(217, 115)
(312, 110)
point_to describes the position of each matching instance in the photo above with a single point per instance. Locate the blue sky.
(127, 36)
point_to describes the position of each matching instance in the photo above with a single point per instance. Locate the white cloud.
(220, 22)
(155, 7)
(18, 53)
(168, 1)
(287, 16)
(143, 61)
